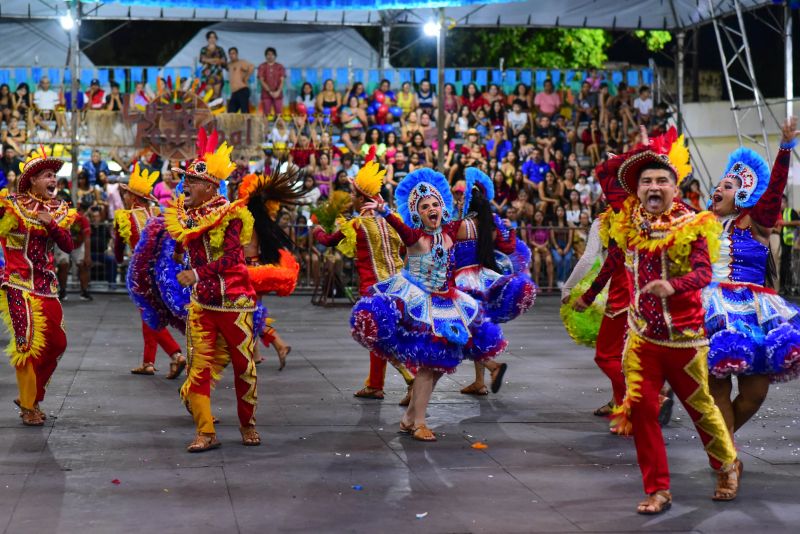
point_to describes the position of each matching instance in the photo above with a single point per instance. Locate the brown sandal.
(475, 389)
(728, 479)
(176, 367)
(204, 442)
(145, 369)
(604, 410)
(406, 429)
(35, 409)
(660, 502)
(405, 401)
(31, 418)
(423, 433)
(250, 436)
(369, 393)
(497, 377)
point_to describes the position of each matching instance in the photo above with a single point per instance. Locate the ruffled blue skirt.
(505, 297)
(435, 330)
(751, 332)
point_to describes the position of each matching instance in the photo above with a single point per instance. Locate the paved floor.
(114, 460)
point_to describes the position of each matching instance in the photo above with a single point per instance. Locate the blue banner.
(306, 4)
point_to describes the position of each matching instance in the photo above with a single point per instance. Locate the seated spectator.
(398, 169)
(643, 106)
(303, 154)
(494, 94)
(348, 166)
(547, 102)
(660, 121)
(473, 154)
(417, 146)
(559, 164)
(101, 253)
(426, 97)
(580, 235)
(497, 147)
(539, 243)
(502, 193)
(374, 138)
(279, 137)
(523, 94)
(354, 122)
(6, 104)
(565, 135)
(342, 182)
(497, 114)
(164, 190)
(594, 80)
(613, 136)
(568, 180)
(585, 106)
(9, 162)
(409, 126)
(592, 139)
(14, 136)
(573, 208)
(306, 97)
(271, 78)
(239, 72)
(324, 174)
(406, 100)
(517, 121)
(509, 166)
(140, 96)
(114, 98)
(358, 91)
(22, 102)
(550, 193)
(449, 151)
(482, 123)
(81, 255)
(86, 193)
(94, 167)
(603, 115)
(473, 98)
(103, 195)
(392, 145)
(545, 137)
(95, 96)
(300, 126)
(524, 148)
(45, 100)
(583, 188)
(451, 103)
(692, 194)
(311, 193)
(522, 204)
(535, 168)
(464, 122)
(428, 129)
(62, 190)
(561, 246)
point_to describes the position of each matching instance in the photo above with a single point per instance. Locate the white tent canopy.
(611, 14)
(30, 43)
(302, 47)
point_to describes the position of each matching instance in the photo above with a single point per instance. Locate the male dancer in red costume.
(219, 327)
(667, 251)
(376, 247)
(30, 223)
(128, 226)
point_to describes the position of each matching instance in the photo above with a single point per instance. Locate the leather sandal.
(31, 418)
(369, 393)
(659, 502)
(204, 442)
(728, 479)
(406, 429)
(145, 369)
(497, 377)
(405, 401)
(475, 389)
(250, 436)
(176, 367)
(423, 433)
(35, 409)
(282, 354)
(604, 410)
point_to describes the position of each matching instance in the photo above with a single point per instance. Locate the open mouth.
(51, 190)
(654, 200)
(717, 198)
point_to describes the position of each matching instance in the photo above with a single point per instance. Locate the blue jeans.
(563, 264)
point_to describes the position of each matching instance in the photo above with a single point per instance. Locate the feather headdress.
(420, 184)
(212, 164)
(141, 183)
(369, 179)
(752, 171)
(476, 178)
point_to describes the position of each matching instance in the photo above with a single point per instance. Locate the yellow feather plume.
(219, 164)
(37, 153)
(679, 157)
(369, 179)
(142, 180)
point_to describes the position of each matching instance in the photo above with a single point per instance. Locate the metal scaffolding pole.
(386, 30)
(680, 63)
(788, 64)
(440, 90)
(74, 56)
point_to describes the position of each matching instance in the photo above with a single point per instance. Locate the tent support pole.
(440, 91)
(74, 60)
(681, 56)
(385, 44)
(789, 58)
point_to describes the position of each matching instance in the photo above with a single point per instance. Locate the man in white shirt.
(45, 100)
(644, 105)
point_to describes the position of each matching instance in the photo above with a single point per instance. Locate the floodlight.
(66, 21)
(431, 28)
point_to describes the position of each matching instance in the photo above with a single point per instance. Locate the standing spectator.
(497, 147)
(94, 167)
(271, 76)
(213, 61)
(535, 167)
(101, 253)
(95, 96)
(80, 255)
(788, 224)
(561, 246)
(306, 97)
(239, 71)
(643, 105)
(114, 98)
(539, 241)
(548, 102)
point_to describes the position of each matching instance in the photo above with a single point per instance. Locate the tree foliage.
(545, 47)
(655, 41)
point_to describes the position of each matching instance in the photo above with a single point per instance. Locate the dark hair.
(302, 87)
(373, 130)
(486, 227)
(658, 165)
(270, 49)
(348, 157)
(644, 88)
(114, 85)
(231, 49)
(210, 33)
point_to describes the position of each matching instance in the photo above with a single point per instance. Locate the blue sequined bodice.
(742, 258)
(430, 270)
(465, 253)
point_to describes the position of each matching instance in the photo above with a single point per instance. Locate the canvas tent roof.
(28, 43)
(611, 14)
(303, 47)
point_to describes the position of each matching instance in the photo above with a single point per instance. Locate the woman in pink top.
(164, 190)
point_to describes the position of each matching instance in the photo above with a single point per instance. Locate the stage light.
(66, 21)
(431, 28)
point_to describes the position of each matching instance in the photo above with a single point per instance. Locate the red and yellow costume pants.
(377, 372)
(39, 340)
(647, 365)
(608, 352)
(155, 338)
(215, 338)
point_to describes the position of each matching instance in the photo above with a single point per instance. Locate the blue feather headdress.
(752, 171)
(476, 177)
(417, 185)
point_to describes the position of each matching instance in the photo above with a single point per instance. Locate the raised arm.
(768, 208)
(329, 240)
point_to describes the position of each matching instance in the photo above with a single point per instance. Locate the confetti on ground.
(116, 482)
(358, 487)
(422, 515)
(479, 445)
